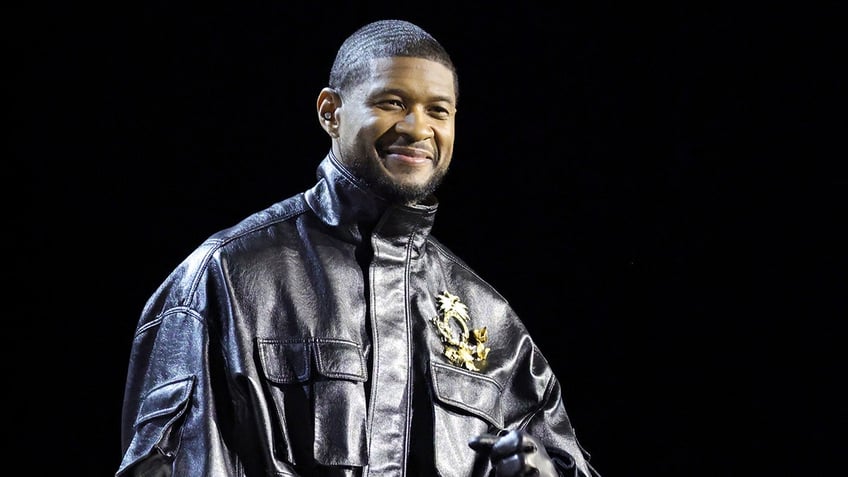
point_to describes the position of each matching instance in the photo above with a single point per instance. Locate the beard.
(376, 178)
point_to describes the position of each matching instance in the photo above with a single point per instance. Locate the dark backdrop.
(652, 188)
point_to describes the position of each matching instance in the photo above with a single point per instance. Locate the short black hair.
(384, 39)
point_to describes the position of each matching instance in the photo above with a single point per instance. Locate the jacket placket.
(389, 416)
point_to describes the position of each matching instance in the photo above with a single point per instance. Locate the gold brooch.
(462, 348)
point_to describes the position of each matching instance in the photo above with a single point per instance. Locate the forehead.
(411, 75)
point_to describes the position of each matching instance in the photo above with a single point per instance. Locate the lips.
(410, 153)
(408, 156)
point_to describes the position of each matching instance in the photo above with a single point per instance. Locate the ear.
(328, 102)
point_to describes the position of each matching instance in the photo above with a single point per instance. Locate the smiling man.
(331, 334)
(394, 132)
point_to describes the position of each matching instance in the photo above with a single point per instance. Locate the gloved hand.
(516, 453)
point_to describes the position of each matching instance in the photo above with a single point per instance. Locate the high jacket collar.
(341, 200)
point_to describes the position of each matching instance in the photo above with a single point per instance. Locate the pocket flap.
(472, 392)
(285, 362)
(151, 445)
(340, 359)
(165, 399)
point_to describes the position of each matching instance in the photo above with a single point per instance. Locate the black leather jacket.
(302, 341)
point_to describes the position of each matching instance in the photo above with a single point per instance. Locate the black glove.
(514, 454)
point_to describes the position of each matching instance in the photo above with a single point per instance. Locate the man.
(331, 334)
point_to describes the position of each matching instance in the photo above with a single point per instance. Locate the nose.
(416, 125)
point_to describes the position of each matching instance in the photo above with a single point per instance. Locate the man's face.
(396, 130)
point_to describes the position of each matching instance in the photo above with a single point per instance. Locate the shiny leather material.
(300, 342)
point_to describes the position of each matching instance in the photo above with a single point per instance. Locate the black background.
(655, 188)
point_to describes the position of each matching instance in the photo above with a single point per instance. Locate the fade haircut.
(384, 39)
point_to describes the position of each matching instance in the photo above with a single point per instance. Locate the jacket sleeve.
(551, 424)
(171, 424)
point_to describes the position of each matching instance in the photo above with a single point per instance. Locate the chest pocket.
(471, 392)
(318, 392)
(465, 405)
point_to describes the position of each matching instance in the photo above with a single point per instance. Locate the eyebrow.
(404, 93)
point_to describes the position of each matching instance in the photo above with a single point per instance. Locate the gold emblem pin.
(462, 348)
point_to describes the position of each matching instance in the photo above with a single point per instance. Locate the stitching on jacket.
(170, 311)
(216, 244)
(458, 370)
(410, 245)
(362, 372)
(184, 392)
(266, 366)
(375, 345)
(461, 404)
(449, 256)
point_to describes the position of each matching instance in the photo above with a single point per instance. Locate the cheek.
(373, 128)
(445, 142)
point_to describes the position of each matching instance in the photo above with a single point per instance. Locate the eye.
(440, 112)
(391, 104)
